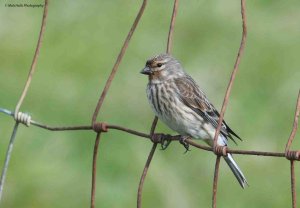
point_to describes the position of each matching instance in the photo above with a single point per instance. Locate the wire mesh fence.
(156, 138)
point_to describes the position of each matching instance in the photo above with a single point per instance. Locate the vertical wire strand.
(34, 60)
(145, 171)
(172, 24)
(146, 167)
(154, 123)
(23, 95)
(104, 92)
(293, 185)
(118, 61)
(287, 150)
(215, 183)
(235, 69)
(7, 158)
(226, 99)
(295, 125)
(94, 169)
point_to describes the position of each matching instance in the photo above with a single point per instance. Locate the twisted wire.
(23, 118)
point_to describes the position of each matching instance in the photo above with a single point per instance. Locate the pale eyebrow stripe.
(162, 61)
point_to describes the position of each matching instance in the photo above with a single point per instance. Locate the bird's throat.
(154, 76)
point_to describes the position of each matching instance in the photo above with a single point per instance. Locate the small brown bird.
(177, 100)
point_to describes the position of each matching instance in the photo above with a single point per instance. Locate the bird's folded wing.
(190, 94)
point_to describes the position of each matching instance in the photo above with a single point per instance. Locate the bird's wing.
(191, 95)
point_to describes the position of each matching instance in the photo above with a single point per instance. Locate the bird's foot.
(184, 143)
(165, 141)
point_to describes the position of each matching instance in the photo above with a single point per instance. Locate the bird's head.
(163, 67)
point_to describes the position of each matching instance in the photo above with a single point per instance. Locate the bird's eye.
(159, 64)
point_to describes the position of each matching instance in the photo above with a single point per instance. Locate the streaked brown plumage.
(178, 101)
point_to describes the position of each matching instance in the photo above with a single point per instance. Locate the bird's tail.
(236, 170)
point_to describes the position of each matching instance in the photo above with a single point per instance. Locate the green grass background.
(82, 40)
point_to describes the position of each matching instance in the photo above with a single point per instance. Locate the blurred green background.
(81, 43)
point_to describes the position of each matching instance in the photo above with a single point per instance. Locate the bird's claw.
(165, 141)
(184, 143)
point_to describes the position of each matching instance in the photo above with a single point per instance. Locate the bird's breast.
(168, 107)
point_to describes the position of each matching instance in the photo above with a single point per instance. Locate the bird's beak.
(146, 71)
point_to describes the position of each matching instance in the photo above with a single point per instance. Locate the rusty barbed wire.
(156, 138)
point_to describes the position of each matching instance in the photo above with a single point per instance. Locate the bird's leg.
(184, 143)
(165, 141)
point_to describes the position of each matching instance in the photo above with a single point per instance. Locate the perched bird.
(177, 100)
